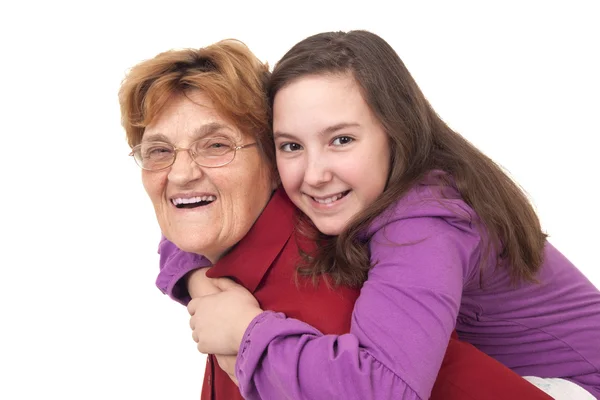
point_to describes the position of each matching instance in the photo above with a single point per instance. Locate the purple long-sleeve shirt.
(426, 275)
(424, 283)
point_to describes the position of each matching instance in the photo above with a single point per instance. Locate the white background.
(81, 317)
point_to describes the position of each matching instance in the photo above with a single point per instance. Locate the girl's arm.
(400, 329)
(182, 275)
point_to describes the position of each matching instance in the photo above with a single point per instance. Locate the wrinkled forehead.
(187, 117)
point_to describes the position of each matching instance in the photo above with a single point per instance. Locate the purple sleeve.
(401, 325)
(174, 265)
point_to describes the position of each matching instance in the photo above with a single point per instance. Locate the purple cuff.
(243, 363)
(174, 265)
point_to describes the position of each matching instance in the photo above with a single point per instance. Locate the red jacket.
(265, 263)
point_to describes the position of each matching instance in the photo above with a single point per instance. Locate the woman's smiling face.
(221, 204)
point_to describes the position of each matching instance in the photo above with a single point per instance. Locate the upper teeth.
(193, 199)
(329, 199)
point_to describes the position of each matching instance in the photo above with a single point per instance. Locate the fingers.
(224, 283)
(192, 306)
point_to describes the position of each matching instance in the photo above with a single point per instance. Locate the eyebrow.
(197, 133)
(327, 131)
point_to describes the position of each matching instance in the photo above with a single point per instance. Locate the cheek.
(247, 181)
(385, 166)
(376, 180)
(290, 173)
(153, 184)
(375, 166)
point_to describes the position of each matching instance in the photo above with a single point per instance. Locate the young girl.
(437, 235)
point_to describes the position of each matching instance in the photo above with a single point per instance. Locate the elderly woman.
(197, 122)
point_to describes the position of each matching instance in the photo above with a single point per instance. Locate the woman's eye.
(289, 147)
(212, 147)
(342, 140)
(157, 151)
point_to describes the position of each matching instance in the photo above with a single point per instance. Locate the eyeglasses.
(211, 152)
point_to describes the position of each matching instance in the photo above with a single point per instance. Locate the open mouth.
(193, 202)
(331, 199)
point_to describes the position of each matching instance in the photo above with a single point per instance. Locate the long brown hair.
(420, 142)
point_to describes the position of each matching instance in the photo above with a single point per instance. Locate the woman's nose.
(184, 169)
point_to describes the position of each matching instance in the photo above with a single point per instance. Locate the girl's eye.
(290, 147)
(342, 140)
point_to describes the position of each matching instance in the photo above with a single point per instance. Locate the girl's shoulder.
(430, 224)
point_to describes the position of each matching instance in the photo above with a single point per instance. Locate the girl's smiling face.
(333, 155)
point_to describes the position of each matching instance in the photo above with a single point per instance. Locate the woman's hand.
(219, 320)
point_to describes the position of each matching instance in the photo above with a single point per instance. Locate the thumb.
(224, 283)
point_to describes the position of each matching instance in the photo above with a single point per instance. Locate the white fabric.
(560, 389)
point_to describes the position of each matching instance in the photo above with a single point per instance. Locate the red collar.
(251, 258)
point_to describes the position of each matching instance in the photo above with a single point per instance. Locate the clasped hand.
(219, 320)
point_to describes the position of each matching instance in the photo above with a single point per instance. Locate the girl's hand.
(199, 284)
(219, 320)
(227, 364)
